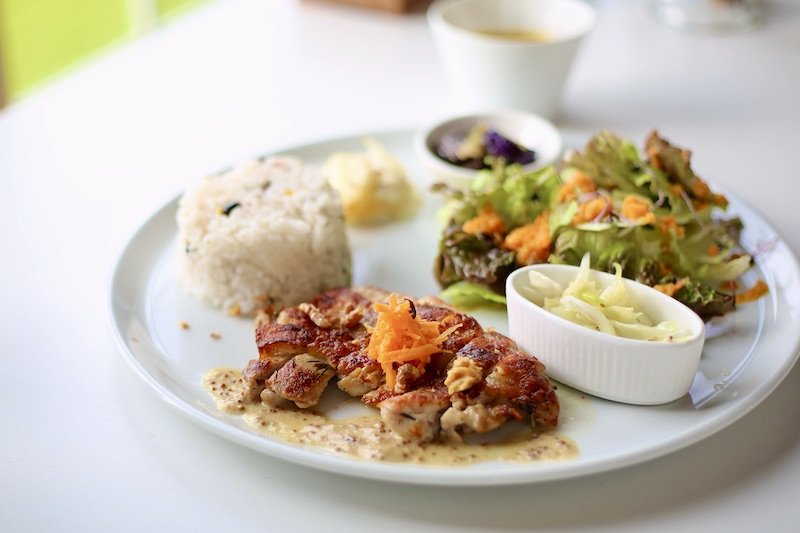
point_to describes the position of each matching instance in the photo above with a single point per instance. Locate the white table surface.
(85, 445)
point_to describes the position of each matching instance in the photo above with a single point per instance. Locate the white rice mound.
(281, 245)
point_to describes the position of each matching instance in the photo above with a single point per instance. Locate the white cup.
(489, 71)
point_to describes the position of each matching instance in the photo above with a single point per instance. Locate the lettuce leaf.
(607, 244)
(466, 294)
(704, 300)
(517, 196)
(613, 163)
(474, 258)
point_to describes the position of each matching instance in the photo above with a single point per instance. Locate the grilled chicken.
(512, 385)
(301, 380)
(415, 415)
(332, 329)
(479, 380)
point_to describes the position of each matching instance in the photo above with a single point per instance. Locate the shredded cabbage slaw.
(612, 310)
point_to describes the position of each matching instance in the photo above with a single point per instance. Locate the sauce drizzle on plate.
(365, 437)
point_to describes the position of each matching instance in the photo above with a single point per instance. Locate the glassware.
(709, 16)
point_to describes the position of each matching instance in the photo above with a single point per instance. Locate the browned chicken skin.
(512, 380)
(478, 381)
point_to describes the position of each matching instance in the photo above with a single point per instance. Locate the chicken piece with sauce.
(454, 378)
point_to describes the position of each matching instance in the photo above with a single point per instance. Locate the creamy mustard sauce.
(366, 437)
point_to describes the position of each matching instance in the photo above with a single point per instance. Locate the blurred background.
(40, 39)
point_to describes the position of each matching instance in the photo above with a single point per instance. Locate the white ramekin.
(615, 368)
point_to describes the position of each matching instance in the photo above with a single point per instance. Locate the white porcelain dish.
(528, 130)
(616, 368)
(484, 70)
(738, 370)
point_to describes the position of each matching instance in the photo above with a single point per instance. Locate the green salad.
(646, 211)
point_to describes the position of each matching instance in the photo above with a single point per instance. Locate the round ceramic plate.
(741, 365)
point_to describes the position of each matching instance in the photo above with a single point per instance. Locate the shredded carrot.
(668, 223)
(753, 293)
(579, 184)
(594, 209)
(638, 209)
(670, 289)
(400, 336)
(532, 241)
(487, 221)
(713, 250)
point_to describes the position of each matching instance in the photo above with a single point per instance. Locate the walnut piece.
(462, 375)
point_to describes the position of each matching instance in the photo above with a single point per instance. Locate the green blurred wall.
(169, 7)
(40, 38)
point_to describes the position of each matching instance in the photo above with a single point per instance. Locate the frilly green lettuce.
(685, 238)
(466, 294)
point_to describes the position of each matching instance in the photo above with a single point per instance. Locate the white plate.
(739, 368)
